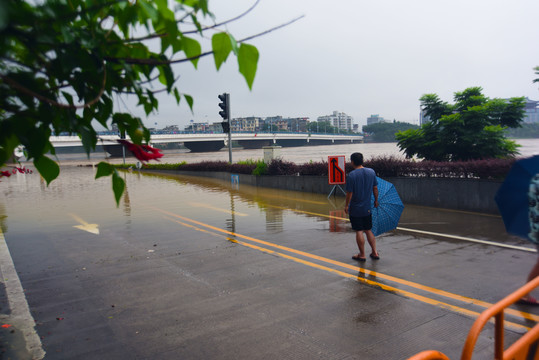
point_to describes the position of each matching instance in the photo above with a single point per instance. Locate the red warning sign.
(336, 171)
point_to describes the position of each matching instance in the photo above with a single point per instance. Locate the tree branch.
(168, 62)
(227, 21)
(160, 35)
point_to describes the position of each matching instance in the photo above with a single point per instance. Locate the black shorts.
(361, 223)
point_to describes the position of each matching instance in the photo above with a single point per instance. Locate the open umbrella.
(386, 216)
(512, 196)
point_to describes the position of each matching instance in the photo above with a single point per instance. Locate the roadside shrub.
(261, 169)
(389, 166)
(313, 169)
(206, 166)
(242, 168)
(281, 167)
(473, 169)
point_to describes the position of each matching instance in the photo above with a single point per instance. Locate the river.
(297, 155)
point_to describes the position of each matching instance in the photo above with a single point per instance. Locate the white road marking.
(514, 247)
(91, 228)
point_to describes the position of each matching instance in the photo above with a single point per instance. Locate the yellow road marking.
(196, 204)
(295, 199)
(486, 242)
(367, 272)
(389, 288)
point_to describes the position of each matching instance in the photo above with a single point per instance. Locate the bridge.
(203, 142)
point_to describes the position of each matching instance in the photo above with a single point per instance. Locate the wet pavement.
(192, 268)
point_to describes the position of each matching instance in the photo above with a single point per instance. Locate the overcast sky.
(363, 57)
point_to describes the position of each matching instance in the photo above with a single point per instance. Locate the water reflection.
(273, 204)
(231, 222)
(279, 208)
(3, 217)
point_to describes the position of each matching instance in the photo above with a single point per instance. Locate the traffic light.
(225, 106)
(226, 127)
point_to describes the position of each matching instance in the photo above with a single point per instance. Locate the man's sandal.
(356, 257)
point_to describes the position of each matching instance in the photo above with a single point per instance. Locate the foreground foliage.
(63, 65)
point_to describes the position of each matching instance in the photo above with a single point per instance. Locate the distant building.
(215, 128)
(197, 127)
(423, 119)
(287, 124)
(297, 124)
(375, 119)
(173, 129)
(531, 111)
(338, 120)
(282, 125)
(247, 124)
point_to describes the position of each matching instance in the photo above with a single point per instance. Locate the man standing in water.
(359, 186)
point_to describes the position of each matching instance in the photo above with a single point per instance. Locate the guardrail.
(523, 348)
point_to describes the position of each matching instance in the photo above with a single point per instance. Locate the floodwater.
(297, 155)
(75, 196)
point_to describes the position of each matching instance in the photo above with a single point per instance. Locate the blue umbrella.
(512, 196)
(386, 216)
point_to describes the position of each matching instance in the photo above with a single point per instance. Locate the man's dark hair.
(357, 158)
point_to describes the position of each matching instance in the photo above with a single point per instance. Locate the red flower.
(142, 152)
(5, 173)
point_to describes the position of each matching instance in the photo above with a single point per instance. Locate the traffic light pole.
(229, 131)
(225, 114)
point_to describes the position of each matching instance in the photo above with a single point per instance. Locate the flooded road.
(189, 267)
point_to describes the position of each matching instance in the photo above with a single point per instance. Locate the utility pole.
(225, 114)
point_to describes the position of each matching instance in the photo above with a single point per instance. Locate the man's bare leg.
(372, 242)
(360, 240)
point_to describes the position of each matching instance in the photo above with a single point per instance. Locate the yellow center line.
(196, 204)
(385, 287)
(367, 272)
(295, 199)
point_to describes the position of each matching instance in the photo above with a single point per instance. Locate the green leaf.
(248, 61)
(192, 49)
(118, 186)
(189, 100)
(166, 77)
(47, 168)
(152, 13)
(104, 169)
(235, 47)
(88, 137)
(222, 46)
